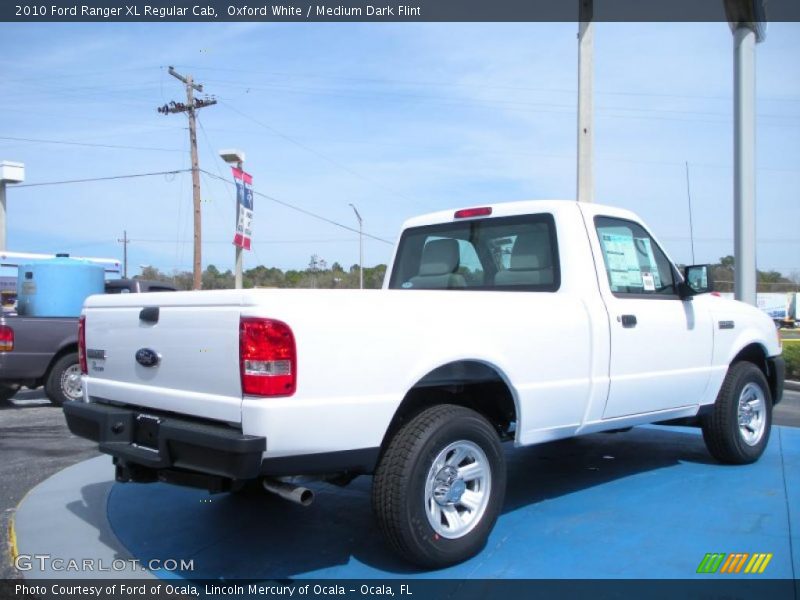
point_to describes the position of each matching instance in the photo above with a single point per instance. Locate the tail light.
(6, 338)
(267, 357)
(82, 345)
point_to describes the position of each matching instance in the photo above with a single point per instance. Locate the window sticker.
(648, 282)
(646, 258)
(622, 261)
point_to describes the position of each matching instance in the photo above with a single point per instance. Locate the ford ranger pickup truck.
(523, 322)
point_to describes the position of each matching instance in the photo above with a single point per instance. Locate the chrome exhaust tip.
(294, 493)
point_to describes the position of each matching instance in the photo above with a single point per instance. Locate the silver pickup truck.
(43, 351)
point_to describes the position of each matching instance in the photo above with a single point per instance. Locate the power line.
(317, 153)
(73, 74)
(411, 83)
(109, 178)
(615, 159)
(519, 105)
(88, 144)
(212, 175)
(306, 212)
(563, 109)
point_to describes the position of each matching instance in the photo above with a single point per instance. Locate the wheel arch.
(757, 354)
(67, 348)
(472, 383)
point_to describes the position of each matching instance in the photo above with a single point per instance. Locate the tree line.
(317, 275)
(722, 274)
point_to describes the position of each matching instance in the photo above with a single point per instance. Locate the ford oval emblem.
(147, 357)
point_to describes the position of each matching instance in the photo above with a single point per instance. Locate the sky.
(397, 119)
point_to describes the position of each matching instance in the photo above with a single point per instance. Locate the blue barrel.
(57, 287)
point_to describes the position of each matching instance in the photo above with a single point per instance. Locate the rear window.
(504, 253)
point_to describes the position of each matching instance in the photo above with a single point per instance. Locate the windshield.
(505, 253)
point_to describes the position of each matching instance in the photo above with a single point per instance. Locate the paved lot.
(35, 443)
(788, 411)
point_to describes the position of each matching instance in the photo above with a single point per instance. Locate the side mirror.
(697, 280)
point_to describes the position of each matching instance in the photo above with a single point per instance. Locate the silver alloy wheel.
(752, 414)
(71, 382)
(457, 489)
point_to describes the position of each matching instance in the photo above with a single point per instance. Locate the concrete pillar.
(744, 163)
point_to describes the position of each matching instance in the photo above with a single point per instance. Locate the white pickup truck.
(524, 322)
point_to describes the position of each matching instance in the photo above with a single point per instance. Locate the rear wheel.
(64, 380)
(439, 487)
(737, 431)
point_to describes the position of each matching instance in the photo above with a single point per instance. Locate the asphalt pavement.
(35, 443)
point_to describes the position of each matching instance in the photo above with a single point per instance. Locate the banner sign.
(244, 208)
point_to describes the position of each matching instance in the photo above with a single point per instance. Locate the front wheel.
(737, 431)
(439, 487)
(64, 380)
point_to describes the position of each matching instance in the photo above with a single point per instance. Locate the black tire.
(399, 486)
(7, 391)
(57, 387)
(722, 433)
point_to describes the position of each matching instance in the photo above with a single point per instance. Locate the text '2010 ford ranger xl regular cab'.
(526, 321)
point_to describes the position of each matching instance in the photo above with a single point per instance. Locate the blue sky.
(399, 119)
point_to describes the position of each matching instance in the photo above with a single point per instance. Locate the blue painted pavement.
(648, 503)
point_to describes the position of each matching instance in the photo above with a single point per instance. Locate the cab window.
(500, 253)
(635, 265)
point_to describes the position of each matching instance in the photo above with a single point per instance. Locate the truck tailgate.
(197, 349)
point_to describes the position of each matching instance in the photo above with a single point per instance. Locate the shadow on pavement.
(26, 399)
(232, 536)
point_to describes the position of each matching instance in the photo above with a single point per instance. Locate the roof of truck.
(520, 207)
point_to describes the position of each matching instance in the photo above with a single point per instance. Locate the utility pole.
(124, 241)
(689, 196)
(360, 247)
(191, 107)
(585, 101)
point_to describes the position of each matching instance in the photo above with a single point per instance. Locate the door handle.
(628, 320)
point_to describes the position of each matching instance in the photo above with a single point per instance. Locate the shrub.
(791, 353)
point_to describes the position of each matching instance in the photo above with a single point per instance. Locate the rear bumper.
(155, 444)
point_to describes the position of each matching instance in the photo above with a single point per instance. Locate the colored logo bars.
(735, 563)
(244, 208)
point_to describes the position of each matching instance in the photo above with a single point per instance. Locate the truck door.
(661, 346)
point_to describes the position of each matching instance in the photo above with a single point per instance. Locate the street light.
(235, 157)
(360, 247)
